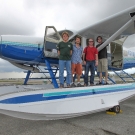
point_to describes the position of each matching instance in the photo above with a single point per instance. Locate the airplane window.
(52, 34)
(50, 46)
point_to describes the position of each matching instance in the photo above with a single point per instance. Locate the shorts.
(77, 68)
(102, 65)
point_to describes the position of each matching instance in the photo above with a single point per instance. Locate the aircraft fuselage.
(30, 50)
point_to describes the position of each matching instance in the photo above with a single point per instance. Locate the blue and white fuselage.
(30, 51)
(23, 49)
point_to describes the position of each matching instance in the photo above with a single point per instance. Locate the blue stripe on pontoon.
(83, 91)
(40, 97)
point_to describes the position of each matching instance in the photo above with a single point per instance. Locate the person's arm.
(96, 59)
(84, 55)
(70, 52)
(58, 48)
(84, 62)
(96, 56)
(58, 52)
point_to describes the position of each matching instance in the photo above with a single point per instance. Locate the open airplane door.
(116, 54)
(51, 39)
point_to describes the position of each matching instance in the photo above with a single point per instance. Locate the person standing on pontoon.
(102, 62)
(76, 61)
(90, 59)
(65, 52)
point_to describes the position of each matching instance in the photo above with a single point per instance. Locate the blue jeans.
(62, 65)
(90, 65)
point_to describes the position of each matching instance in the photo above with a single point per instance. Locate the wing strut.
(55, 84)
(117, 33)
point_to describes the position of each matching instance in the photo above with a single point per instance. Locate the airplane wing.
(107, 27)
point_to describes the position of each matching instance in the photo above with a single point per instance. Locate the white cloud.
(22, 74)
(130, 71)
(29, 17)
(12, 75)
(5, 66)
(14, 18)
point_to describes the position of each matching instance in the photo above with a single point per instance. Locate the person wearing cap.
(65, 52)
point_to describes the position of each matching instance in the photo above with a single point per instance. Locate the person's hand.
(84, 62)
(96, 63)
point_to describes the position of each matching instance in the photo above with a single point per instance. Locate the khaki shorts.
(77, 69)
(102, 65)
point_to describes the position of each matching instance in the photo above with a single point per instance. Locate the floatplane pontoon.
(35, 103)
(46, 104)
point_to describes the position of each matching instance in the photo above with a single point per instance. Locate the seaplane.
(43, 103)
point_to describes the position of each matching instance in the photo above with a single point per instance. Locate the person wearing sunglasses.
(90, 59)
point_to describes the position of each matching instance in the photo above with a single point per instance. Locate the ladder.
(51, 71)
(123, 75)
